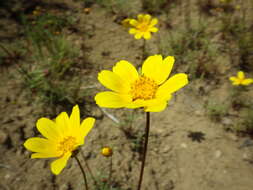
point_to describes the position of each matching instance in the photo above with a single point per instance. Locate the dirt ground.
(187, 150)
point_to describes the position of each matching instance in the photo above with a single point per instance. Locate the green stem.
(82, 170)
(144, 150)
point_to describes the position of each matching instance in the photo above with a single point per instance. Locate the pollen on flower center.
(143, 27)
(143, 88)
(68, 144)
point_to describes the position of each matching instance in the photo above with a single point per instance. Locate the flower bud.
(106, 151)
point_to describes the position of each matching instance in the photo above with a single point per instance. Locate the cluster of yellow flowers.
(151, 89)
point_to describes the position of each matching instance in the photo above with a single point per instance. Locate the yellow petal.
(153, 29)
(147, 35)
(86, 126)
(48, 129)
(158, 69)
(153, 68)
(75, 120)
(133, 22)
(126, 71)
(132, 31)
(233, 78)
(41, 145)
(236, 82)
(63, 123)
(140, 17)
(247, 82)
(138, 35)
(44, 155)
(157, 107)
(153, 22)
(146, 18)
(112, 100)
(113, 81)
(240, 75)
(59, 164)
(136, 104)
(168, 63)
(172, 84)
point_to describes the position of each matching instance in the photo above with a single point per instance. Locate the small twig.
(110, 116)
(91, 86)
(5, 166)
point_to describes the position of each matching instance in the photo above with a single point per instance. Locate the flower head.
(62, 137)
(142, 27)
(241, 80)
(107, 152)
(150, 89)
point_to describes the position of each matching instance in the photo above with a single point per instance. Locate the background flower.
(62, 137)
(142, 27)
(150, 89)
(241, 80)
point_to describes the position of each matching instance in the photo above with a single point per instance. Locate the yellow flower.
(62, 137)
(106, 151)
(142, 27)
(150, 89)
(241, 80)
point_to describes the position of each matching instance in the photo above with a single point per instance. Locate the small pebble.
(198, 113)
(233, 137)
(218, 154)
(7, 176)
(183, 145)
(245, 156)
(226, 121)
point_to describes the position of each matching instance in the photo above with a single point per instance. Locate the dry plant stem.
(144, 150)
(82, 170)
(89, 170)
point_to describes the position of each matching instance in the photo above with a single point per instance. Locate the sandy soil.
(187, 150)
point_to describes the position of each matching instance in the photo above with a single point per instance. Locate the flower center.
(143, 27)
(143, 88)
(68, 144)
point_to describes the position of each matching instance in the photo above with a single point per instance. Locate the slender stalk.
(144, 150)
(82, 170)
(89, 170)
(110, 174)
(144, 50)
